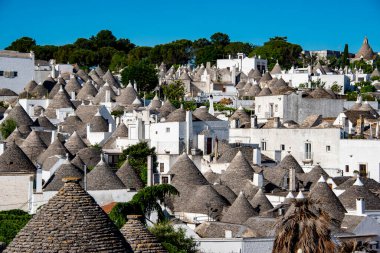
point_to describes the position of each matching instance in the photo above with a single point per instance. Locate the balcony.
(307, 157)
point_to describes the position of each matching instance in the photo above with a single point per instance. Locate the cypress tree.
(345, 61)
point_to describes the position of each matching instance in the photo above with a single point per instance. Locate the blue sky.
(323, 24)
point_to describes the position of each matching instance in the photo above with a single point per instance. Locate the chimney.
(256, 159)
(110, 127)
(227, 233)
(211, 108)
(72, 95)
(189, 131)
(233, 75)
(360, 206)
(39, 179)
(149, 171)
(276, 122)
(208, 65)
(258, 179)
(108, 96)
(135, 85)
(88, 129)
(254, 121)
(53, 134)
(292, 179)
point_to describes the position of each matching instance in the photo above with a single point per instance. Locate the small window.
(162, 167)
(263, 145)
(282, 147)
(1, 73)
(347, 168)
(168, 129)
(14, 73)
(165, 180)
(156, 132)
(328, 148)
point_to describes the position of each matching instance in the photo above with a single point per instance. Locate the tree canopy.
(23, 44)
(11, 222)
(7, 127)
(143, 73)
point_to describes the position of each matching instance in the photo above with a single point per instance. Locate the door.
(363, 170)
(208, 146)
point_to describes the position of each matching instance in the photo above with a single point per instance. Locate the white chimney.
(258, 179)
(227, 233)
(256, 156)
(39, 179)
(254, 121)
(73, 95)
(233, 75)
(211, 108)
(108, 96)
(110, 127)
(360, 206)
(189, 131)
(149, 171)
(53, 133)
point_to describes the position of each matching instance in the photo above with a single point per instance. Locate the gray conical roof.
(75, 224)
(101, 96)
(83, 75)
(90, 156)
(43, 121)
(121, 131)
(30, 86)
(103, 178)
(39, 92)
(326, 199)
(238, 171)
(155, 103)
(33, 146)
(16, 137)
(242, 116)
(127, 95)
(240, 211)
(75, 143)
(14, 160)
(140, 238)
(290, 162)
(73, 85)
(71, 123)
(129, 177)
(65, 170)
(260, 202)
(99, 71)
(184, 171)
(60, 100)
(109, 78)
(87, 92)
(56, 148)
(166, 109)
(99, 124)
(276, 69)
(19, 115)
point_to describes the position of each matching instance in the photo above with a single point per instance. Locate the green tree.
(137, 157)
(124, 45)
(11, 222)
(238, 47)
(208, 54)
(144, 202)
(44, 52)
(361, 64)
(174, 241)
(279, 49)
(23, 44)
(118, 61)
(220, 39)
(174, 90)
(63, 53)
(104, 38)
(83, 57)
(143, 73)
(105, 55)
(83, 43)
(202, 42)
(345, 56)
(138, 54)
(336, 88)
(7, 127)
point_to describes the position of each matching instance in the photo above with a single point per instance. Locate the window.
(156, 132)
(276, 108)
(263, 145)
(15, 74)
(258, 108)
(165, 180)
(307, 150)
(282, 147)
(162, 167)
(168, 129)
(347, 167)
(363, 170)
(1, 73)
(328, 148)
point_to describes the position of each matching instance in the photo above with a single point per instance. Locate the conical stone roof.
(99, 124)
(75, 143)
(121, 131)
(290, 162)
(127, 95)
(184, 171)
(140, 238)
(30, 86)
(14, 160)
(101, 96)
(99, 71)
(56, 148)
(16, 137)
(19, 115)
(129, 177)
(73, 85)
(103, 178)
(276, 69)
(166, 109)
(43, 121)
(260, 202)
(365, 51)
(155, 103)
(322, 194)
(87, 92)
(71, 221)
(109, 78)
(60, 100)
(33, 146)
(90, 156)
(238, 171)
(240, 211)
(66, 170)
